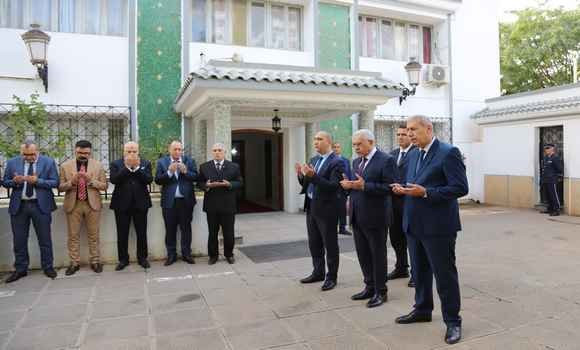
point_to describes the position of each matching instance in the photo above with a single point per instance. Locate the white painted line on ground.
(167, 279)
(207, 275)
(7, 293)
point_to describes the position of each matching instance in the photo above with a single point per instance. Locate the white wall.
(83, 69)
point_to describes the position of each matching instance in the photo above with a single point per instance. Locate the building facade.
(216, 70)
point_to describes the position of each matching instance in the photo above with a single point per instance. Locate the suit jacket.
(97, 184)
(402, 171)
(442, 173)
(47, 180)
(221, 199)
(131, 188)
(552, 169)
(346, 165)
(328, 194)
(169, 183)
(369, 208)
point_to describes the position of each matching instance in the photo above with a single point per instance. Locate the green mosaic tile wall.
(158, 70)
(334, 53)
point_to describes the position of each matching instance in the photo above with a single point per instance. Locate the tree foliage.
(538, 49)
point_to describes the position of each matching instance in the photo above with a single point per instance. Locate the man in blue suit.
(320, 180)
(337, 149)
(375, 171)
(176, 174)
(31, 177)
(435, 180)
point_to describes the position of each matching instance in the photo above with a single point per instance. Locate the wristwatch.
(425, 195)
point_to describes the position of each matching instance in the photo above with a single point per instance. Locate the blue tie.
(419, 161)
(310, 190)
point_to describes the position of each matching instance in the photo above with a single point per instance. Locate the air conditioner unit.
(436, 75)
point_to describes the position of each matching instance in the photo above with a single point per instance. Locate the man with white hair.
(220, 179)
(375, 171)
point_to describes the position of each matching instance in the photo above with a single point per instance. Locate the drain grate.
(288, 250)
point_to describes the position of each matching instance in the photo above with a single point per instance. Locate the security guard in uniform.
(552, 171)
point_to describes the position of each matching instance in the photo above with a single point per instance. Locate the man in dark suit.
(320, 180)
(337, 149)
(131, 201)
(398, 240)
(375, 171)
(176, 174)
(435, 180)
(552, 173)
(220, 179)
(31, 177)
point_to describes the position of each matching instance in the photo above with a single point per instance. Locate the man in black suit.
(177, 173)
(220, 179)
(436, 178)
(552, 173)
(320, 180)
(375, 171)
(337, 149)
(131, 201)
(398, 240)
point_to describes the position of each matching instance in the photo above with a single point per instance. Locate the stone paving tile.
(52, 315)
(350, 341)
(319, 325)
(259, 335)
(174, 302)
(226, 296)
(129, 291)
(121, 308)
(66, 297)
(49, 338)
(185, 284)
(211, 339)
(183, 320)
(72, 282)
(18, 301)
(142, 343)
(115, 329)
(3, 338)
(9, 320)
(238, 313)
(33, 283)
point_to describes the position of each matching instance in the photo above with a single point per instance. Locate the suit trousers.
(226, 221)
(430, 257)
(342, 214)
(28, 212)
(123, 220)
(551, 195)
(323, 241)
(179, 216)
(82, 212)
(397, 237)
(371, 250)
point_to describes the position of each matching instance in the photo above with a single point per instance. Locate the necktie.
(29, 186)
(419, 161)
(361, 167)
(82, 189)
(218, 166)
(310, 190)
(403, 154)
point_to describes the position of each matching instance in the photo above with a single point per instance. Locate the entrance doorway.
(553, 135)
(259, 156)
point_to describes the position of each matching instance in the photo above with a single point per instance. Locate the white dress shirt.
(26, 167)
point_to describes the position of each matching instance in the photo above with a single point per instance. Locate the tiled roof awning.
(528, 110)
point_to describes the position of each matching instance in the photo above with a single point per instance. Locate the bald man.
(176, 173)
(131, 201)
(320, 180)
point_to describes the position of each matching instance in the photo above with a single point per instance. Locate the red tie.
(82, 189)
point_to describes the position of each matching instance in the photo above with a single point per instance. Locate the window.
(242, 22)
(385, 38)
(102, 17)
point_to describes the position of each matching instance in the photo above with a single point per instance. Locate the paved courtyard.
(519, 271)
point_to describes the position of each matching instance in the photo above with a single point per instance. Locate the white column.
(222, 128)
(310, 130)
(200, 139)
(367, 120)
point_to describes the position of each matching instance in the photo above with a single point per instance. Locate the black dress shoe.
(97, 267)
(312, 279)
(212, 260)
(413, 317)
(72, 269)
(230, 259)
(453, 334)
(555, 213)
(345, 232)
(545, 212)
(188, 259)
(144, 264)
(170, 261)
(377, 300)
(328, 285)
(411, 283)
(121, 265)
(398, 273)
(50, 273)
(367, 293)
(15, 276)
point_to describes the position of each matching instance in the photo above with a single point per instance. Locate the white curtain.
(414, 42)
(116, 17)
(92, 17)
(401, 42)
(258, 20)
(294, 28)
(278, 27)
(371, 37)
(66, 16)
(40, 13)
(387, 47)
(198, 25)
(219, 22)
